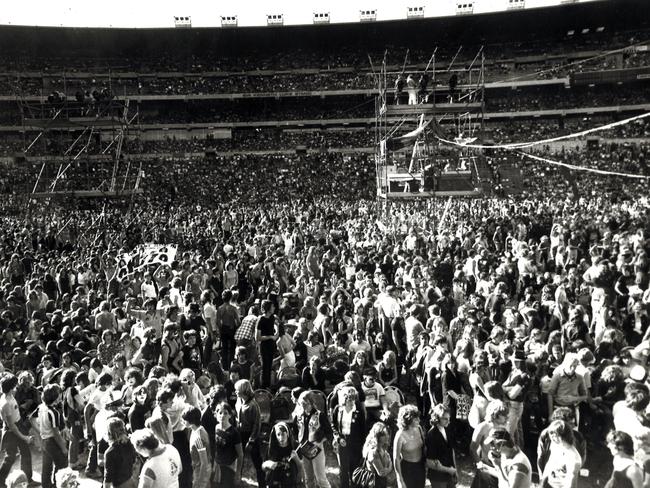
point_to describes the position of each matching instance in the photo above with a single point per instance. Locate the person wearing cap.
(511, 466)
(112, 404)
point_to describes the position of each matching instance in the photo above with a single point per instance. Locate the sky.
(205, 13)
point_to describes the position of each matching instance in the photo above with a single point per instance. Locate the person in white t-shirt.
(374, 393)
(562, 469)
(148, 288)
(163, 464)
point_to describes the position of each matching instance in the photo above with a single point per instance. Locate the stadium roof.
(199, 13)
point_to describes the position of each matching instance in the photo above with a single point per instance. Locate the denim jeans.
(53, 460)
(515, 412)
(315, 471)
(11, 445)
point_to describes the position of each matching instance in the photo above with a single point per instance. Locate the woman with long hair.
(387, 369)
(313, 430)
(349, 425)
(478, 377)
(496, 418)
(562, 469)
(283, 467)
(379, 347)
(359, 362)
(285, 346)
(229, 454)
(161, 428)
(119, 458)
(140, 409)
(376, 455)
(408, 449)
(441, 457)
(73, 408)
(249, 425)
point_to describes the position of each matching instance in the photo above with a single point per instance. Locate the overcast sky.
(205, 13)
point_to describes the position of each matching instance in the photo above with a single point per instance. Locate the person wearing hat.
(111, 408)
(515, 387)
(511, 466)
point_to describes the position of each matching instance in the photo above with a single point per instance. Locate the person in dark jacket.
(313, 376)
(313, 429)
(349, 425)
(120, 456)
(441, 457)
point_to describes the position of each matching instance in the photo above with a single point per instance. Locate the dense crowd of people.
(262, 319)
(402, 340)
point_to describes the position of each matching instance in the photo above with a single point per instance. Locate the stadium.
(352, 246)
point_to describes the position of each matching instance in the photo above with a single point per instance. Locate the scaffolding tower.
(422, 121)
(83, 138)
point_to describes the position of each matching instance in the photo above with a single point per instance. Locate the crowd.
(260, 318)
(403, 340)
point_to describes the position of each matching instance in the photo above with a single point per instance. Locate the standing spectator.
(349, 426)
(73, 407)
(626, 471)
(199, 448)
(51, 423)
(567, 415)
(119, 458)
(567, 388)
(511, 466)
(229, 455)
(266, 337)
(313, 430)
(249, 421)
(441, 457)
(283, 467)
(162, 465)
(408, 449)
(516, 387)
(376, 456)
(13, 441)
(564, 462)
(227, 323)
